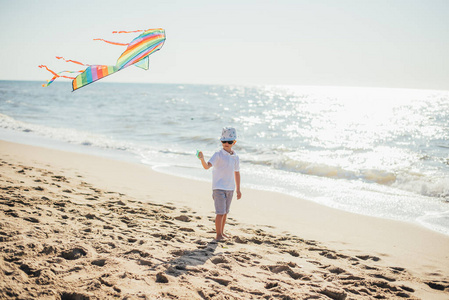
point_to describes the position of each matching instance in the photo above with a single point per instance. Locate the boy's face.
(227, 145)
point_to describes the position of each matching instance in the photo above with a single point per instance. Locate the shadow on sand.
(190, 260)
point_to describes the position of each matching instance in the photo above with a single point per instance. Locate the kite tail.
(113, 43)
(49, 81)
(120, 44)
(130, 31)
(72, 61)
(57, 75)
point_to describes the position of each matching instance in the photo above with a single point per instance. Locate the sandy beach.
(74, 226)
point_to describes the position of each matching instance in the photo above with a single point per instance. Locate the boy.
(225, 178)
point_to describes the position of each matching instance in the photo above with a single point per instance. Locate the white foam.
(436, 185)
(67, 135)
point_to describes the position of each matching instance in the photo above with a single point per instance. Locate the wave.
(423, 184)
(323, 170)
(71, 136)
(199, 139)
(426, 185)
(432, 186)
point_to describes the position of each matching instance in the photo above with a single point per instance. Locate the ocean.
(372, 151)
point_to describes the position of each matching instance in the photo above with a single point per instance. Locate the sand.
(74, 226)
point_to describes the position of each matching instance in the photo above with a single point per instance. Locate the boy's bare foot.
(226, 236)
(220, 238)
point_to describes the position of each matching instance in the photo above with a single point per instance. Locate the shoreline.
(411, 251)
(134, 158)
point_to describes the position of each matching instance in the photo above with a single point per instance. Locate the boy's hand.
(203, 162)
(200, 155)
(239, 194)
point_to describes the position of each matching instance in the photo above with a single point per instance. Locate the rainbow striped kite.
(136, 53)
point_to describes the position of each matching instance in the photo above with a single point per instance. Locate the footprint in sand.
(333, 293)
(240, 240)
(178, 252)
(219, 260)
(12, 213)
(336, 270)
(99, 262)
(186, 229)
(161, 278)
(70, 296)
(280, 268)
(74, 253)
(183, 218)
(368, 257)
(293, 252)
(382, 276)
(271, 285)
(219, 280)
(397, 270)
(329, 254)
(408, 289)
(31, 219)
(440, 286)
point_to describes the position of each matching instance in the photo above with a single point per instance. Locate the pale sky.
(381, 43)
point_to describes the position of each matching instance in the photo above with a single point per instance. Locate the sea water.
(373, 151)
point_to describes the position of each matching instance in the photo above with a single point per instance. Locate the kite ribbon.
(72, 61)
(119, 44)
(128, 31)
(56, 75)
(113, 43)
(52, 72)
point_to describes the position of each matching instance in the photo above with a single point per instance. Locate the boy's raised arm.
(203, 162)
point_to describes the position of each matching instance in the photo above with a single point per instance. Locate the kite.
(136, 53)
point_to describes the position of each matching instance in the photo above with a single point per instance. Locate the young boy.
(225, 178)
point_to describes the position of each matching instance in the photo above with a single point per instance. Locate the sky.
(382, 43)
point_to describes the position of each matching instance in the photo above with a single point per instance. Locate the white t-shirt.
(224, 165)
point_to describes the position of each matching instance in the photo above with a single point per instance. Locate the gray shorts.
(222, 201)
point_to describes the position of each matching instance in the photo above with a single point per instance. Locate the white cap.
(228, 134)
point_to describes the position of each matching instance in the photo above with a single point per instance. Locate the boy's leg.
(219, 226)
(228, 195)
(223, 223)
(222, 201)
(220, 210)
